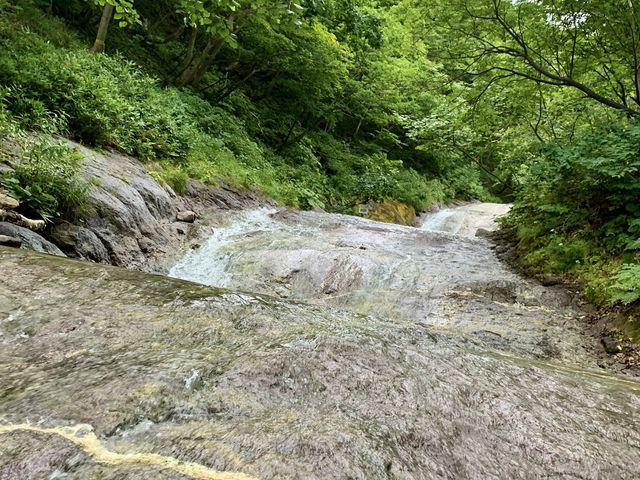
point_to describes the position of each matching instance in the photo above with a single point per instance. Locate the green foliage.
(47, 180)
(591, 186)
(124, 11)
(8, 124)
(173, 176)
(577, 208)
(626, 288)
(586, 45)
(108, 101)
(559, 254)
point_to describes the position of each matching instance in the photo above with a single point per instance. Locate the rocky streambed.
(365, 351)
(130, 219)
(427, 275)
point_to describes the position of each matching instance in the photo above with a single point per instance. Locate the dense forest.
(331, 103)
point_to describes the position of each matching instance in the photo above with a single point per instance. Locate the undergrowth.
(52, 83)
(578, 212)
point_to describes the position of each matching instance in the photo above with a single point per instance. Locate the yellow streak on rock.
(83, 436)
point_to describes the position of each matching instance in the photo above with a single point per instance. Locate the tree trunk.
(285, 141)
(635, 40)
(355, 134)
(225, 92)
(205, 63)
(107, 13)
(196, 70)
(193, 35)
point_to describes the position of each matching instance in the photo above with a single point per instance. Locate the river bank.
(364, 350)
(610, 325)
(130, 218)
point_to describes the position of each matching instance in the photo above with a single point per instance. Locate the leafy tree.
(121, 10)
(219, 21)
(587, 45)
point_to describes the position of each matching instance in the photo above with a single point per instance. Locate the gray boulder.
(30, 240)
(484, 233)
(131, 220)
(80, 242)
(129, 211)
(611, 345)
(186, 216)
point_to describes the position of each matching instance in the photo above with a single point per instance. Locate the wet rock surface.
(167, 373)
(29, 239)
(131, 220)
(615, 351)
(441, 279)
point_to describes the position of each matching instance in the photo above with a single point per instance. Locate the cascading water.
(465, 219)
(460, 370)
(212, 263)
(404, 273)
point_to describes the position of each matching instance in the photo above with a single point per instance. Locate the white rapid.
(211, 263)
(446, 279)
(466, 219)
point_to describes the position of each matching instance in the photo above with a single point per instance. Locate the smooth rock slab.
(279, 390)
(397, 272)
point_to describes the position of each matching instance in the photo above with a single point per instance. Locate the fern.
(626, 288)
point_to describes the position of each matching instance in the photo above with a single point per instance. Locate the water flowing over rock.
(439, 279)
(281, 390)
(411, 354)
(467, 219)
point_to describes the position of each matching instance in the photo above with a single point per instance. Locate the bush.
(578, 205)
(47, 180)
(590, 188)
(172, 176)
(8, 125)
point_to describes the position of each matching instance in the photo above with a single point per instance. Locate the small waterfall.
(439, 221)
(466, 220)
(210, 264)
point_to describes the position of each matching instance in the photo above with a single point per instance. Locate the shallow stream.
(366, 351)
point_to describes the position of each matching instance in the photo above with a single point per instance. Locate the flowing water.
(467, 219)
(367, 351)
(445, 279)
